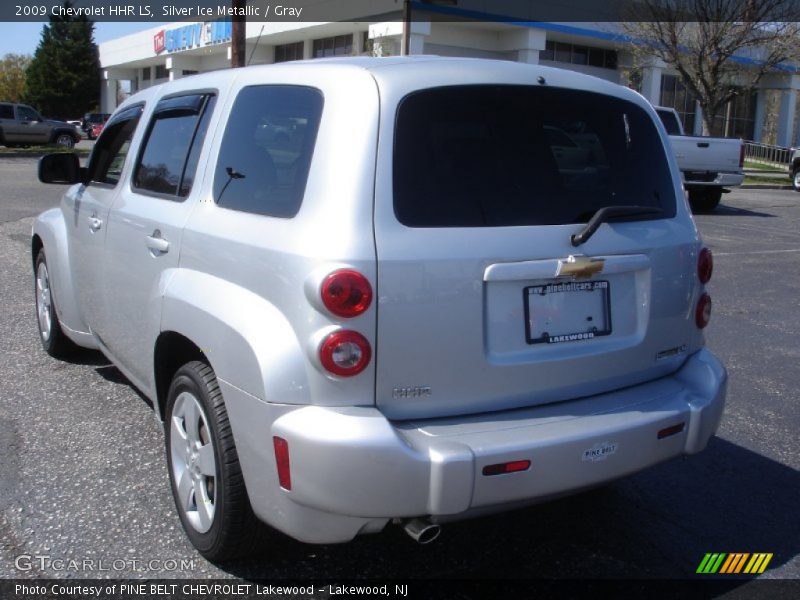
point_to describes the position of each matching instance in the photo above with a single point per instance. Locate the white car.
(405, 308)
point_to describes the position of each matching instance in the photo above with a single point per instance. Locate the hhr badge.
(600, 451)
(417, 391)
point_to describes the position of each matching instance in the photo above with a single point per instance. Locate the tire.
(796, 179)
(704, 200)
(202, 461)
(54, 342)
(64, 140)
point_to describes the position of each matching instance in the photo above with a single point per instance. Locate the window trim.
(207, 95)
(113, 120)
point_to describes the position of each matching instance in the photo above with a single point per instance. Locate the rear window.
(495, 156)
(670, 122)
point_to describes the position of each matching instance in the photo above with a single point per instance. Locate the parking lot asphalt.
(83, 471)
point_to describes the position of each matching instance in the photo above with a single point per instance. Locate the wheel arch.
(246, 340)
(171, 352)
(50, 234)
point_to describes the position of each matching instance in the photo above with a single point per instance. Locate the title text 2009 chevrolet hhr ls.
(368, 290)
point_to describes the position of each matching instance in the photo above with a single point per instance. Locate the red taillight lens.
(346, 293)
(702, 315)
(345, 353)
(705, 265)
(282, 462)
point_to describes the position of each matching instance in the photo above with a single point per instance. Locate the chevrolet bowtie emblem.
(580, 267)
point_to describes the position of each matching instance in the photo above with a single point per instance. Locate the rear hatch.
(484, 303)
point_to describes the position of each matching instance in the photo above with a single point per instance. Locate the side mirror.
(61, 168)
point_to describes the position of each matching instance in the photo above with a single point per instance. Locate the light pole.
(238, 25)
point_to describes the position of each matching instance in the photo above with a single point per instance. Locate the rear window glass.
(266, 150)
(506, 155)
(670, 122)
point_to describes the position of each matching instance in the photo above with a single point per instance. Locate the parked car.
(404, 309)
(794, 170)
(96, 129)
(21, 125)
(709, 166)
(92, 119)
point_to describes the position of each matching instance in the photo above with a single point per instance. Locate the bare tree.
(719, 47)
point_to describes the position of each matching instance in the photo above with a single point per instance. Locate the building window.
(146, 74)
(287, 52)
(162, 72)
(340, 45)
(579, 55)
(737, 118)
(675, 95)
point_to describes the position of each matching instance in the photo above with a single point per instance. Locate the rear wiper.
(604, 214)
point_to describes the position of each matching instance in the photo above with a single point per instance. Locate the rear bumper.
(352, 469)
(721, 180)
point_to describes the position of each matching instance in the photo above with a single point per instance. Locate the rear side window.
(266, 149)
(670, 122)
(6, 111)
(507, 155)
(172, 146)
(111, 148)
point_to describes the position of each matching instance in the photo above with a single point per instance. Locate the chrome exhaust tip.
(421, 531)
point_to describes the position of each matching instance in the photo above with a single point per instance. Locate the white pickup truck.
(708, 165)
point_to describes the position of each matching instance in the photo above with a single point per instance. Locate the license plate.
(567, 312)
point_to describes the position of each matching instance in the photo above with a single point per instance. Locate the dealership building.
(181, 49)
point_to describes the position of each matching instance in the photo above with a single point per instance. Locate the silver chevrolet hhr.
(370, 290)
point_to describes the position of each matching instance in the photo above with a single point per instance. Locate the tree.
(720, 48)
(63, 78)
(12, 76)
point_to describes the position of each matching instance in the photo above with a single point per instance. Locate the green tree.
(63, 79)
(12, 76)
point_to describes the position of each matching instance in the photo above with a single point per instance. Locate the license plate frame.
(600, 314)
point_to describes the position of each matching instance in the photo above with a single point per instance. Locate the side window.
(168, 160)
(266, 149)
(6, 111)
(111, 148)
(25, 113)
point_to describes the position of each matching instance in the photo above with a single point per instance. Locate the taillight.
(282, 462)
(702, 315)
(345, 353)
(705, 265)
(346, 293)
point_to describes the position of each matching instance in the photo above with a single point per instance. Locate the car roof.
(388, 72)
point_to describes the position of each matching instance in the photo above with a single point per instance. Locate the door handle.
(94, 223)
(156, 243)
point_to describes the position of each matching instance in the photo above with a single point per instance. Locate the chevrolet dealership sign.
(191, 36)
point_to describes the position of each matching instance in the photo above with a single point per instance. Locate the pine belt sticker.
(600, 451)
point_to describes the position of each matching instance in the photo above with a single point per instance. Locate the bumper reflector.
(668, 431)
(509, 467)
(282, 462)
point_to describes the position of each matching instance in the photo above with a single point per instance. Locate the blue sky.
(22, 38)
